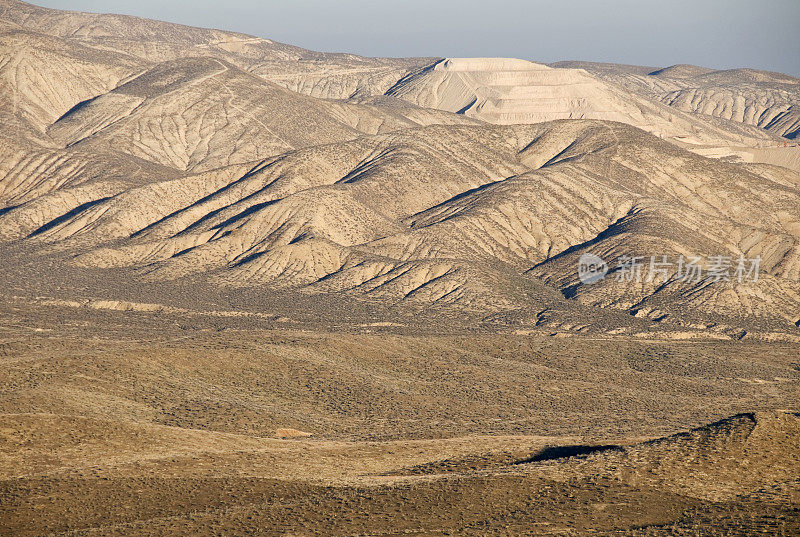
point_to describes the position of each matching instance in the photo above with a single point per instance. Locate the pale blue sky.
(715, 33)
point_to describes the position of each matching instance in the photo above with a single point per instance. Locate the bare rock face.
(172, 154)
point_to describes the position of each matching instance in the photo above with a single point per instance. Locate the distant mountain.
(765, 99)
(152, 154)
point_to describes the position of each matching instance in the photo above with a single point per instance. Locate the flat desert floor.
(106, 430)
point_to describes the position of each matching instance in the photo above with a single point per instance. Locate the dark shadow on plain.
(563, 452)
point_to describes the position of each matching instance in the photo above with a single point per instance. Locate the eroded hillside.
(148, 153)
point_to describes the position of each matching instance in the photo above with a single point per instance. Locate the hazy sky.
(715, 33)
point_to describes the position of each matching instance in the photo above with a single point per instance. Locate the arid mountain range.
(252, 289)
(153, 154)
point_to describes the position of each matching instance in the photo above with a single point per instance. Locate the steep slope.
(527, 92)
(719, 461)
(509, 91)
(76, 114)
(764, 99)
(199, 114)
(43, 77)
(682, 70)
(602, 67)
(775, 109)
(28, 172)
(458, 215)
(336, 76)
(166, 156)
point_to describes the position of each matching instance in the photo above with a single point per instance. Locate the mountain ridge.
(471, 186)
